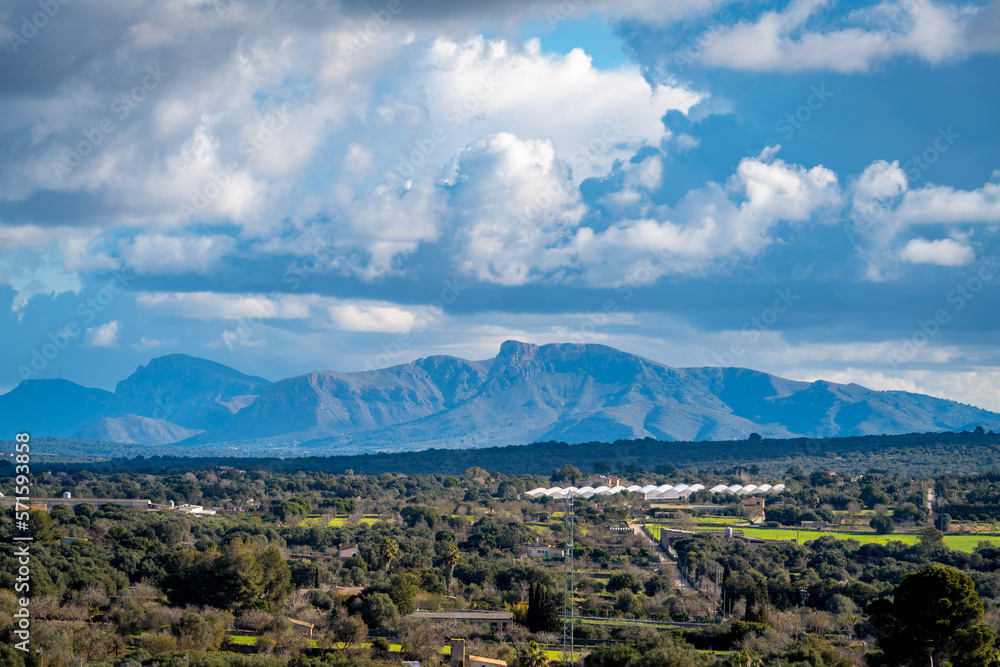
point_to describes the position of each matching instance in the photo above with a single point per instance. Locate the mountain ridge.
(564, 392)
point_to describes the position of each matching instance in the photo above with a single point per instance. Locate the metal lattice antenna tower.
(569, 585)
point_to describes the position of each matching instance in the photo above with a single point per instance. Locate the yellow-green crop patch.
(242, 640)
(721, 520)
(392, 647)
(966, 543)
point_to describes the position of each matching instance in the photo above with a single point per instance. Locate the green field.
(809, 535)
(339, 521)
(966, 543)
(723, 520)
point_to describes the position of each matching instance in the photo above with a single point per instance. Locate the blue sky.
(806, 188)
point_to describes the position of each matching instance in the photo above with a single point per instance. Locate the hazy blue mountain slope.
(50, 407)
(135, 429)
(578, 393)
(190, 392)
(528, 393)
(327, 403)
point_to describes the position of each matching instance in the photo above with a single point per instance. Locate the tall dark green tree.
(543, 610)
(934, 613)
(757, 602)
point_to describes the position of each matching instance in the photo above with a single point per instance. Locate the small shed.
(302, 628)
(344, 554)
(536, 550)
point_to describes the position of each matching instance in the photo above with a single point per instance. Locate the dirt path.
(680, 581)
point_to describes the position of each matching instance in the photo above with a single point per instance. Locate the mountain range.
(527, 393)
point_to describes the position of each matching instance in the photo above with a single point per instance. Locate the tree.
(883, 525)
(658, 584)
(198, 633)
(934, 613)
(757, 601)
(543, 611)
(909, 512)
(414, 514)
(623, 581)
(841, 604)
(853, 510)
(931, 537)
(41, 526)
(532, 656)
(379, 611)
(628, 603)
(450, 559)
(388, 552)
(402, 590)
(347, 630)
(568, 473)
(615, 655)
(420, 641)
(292, 510)
(248, 575)
(276, 578)
(747, 659)
(601, 468)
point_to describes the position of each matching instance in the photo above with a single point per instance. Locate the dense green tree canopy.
(934, 613)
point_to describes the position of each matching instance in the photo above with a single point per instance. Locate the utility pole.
(569, 585)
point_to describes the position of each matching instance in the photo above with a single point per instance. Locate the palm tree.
(532, 656)
(389, 552)
(746, 659)
(450, 560)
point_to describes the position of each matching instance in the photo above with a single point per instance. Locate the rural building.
(344, 554)
(192, 509)
(536, 550)
(650, 491)
(47, 504)
(460, 659)
(301, 628)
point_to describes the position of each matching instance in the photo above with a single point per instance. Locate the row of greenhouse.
(653, 492)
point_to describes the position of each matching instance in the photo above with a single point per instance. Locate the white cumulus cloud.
(520, 221)
(943, 252)
(320, 311)
(105, 335)
(162, 254)
(781, 41)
